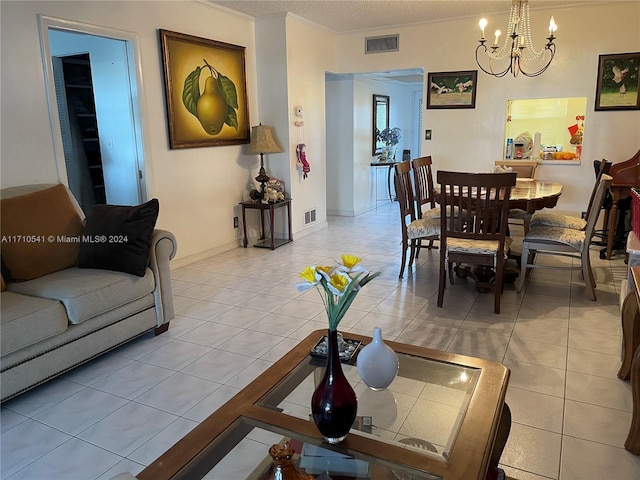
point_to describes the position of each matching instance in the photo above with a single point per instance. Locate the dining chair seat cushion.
(479, 247)
(519, 214)
(567, 236)
(431, 212)
(435, 212)
(424, 227)
(558, 220)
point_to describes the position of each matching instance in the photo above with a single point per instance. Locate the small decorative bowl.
(348, 348)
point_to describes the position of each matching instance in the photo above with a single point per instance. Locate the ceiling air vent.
(386, 43)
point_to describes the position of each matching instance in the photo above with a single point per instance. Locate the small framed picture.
(206, 89)
(452, 89)
(618, 82)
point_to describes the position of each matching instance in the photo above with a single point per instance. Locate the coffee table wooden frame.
(469, 456)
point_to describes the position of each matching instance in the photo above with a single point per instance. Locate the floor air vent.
(309, 217)
(386, 43)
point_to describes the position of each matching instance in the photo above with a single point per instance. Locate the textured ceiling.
(353, 15)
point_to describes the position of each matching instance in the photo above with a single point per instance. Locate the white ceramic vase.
(377, 363)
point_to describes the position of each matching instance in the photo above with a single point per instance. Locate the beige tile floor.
(238, 312)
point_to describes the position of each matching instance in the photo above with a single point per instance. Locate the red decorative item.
(334, 403)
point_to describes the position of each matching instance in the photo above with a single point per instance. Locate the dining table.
(531, 194)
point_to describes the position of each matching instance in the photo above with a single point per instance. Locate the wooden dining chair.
(475, 209)
(414, 229)
(524, 169)
(424, 192)
(563, 241)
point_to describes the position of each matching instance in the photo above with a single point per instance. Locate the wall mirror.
(380, 121)
(559, 121)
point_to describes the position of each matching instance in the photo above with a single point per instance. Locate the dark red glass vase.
(334, 403)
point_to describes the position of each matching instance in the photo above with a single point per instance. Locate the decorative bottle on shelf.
(377, 363)
(509, 152)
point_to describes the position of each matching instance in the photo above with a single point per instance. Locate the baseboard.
(196, 257)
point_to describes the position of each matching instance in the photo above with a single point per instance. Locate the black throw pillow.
(119, 237)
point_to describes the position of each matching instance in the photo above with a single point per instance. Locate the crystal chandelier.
(517, 54)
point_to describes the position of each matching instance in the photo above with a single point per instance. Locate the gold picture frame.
(206, 90)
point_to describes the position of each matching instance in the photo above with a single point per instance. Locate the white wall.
(472, 139)
(198, 188)
(293, 56)
(340, 144)
(310, 53)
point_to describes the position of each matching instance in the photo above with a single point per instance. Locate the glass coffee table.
(438, 420)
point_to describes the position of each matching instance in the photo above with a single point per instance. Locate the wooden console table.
(270, 208)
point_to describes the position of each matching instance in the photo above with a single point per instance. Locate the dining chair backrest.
(601, 168)
(473, 223)
(604, 183)
(522, 168)
(423, 179)
(475, 205)
(405, 194)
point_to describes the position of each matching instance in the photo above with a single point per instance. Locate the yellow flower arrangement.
(340, 285)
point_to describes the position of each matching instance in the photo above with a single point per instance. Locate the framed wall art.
(452, 89)
(618, 82)
(206, 90)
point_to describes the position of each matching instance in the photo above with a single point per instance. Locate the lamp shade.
(263, 141)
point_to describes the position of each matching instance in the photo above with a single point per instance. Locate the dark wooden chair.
(475, 211)
(414, 229)
(425, 193)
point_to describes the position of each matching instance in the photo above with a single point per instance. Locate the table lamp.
(262, 141)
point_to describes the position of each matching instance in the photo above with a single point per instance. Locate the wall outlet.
(235, 222)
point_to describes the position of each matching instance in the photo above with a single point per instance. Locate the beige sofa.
(67, 316)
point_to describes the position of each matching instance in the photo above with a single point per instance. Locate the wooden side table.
(270, 208)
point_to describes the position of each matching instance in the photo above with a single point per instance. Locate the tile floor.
(238, 312)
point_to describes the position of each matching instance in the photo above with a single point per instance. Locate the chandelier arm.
(552, 48)
(490, 71)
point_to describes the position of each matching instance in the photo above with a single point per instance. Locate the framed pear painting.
(206, 89)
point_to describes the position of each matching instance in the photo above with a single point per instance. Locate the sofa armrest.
(163, 249)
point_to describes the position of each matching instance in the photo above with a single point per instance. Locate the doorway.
(79, 129)
(109, 60)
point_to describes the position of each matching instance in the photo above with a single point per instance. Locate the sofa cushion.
(119, 238)
(86, 293)
(36, 229)
(27, 320)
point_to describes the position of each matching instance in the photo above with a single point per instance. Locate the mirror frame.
(379, 102)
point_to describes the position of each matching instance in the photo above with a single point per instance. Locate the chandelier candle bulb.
(498, 33)
(552, 26)
(483, 23)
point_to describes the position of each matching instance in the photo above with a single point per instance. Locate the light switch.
(427, 134)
